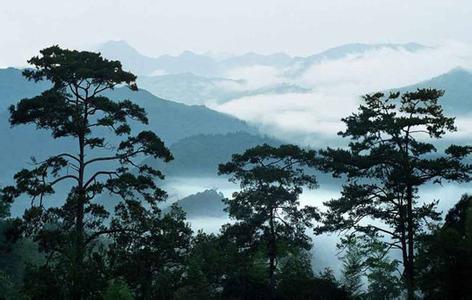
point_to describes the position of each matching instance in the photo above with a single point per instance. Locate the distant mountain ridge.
(199, 155)
(457, 84)
(303, 63)
(192, 78)
(205, 65)
(189, 88)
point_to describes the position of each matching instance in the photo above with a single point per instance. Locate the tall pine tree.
(267, 206)
(103, 159)
(389, 157)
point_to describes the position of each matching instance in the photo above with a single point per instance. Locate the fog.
(336, 86)
(324, 251)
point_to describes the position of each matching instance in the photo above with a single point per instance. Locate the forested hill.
(200, 154)
(203, 204)
(174, 121)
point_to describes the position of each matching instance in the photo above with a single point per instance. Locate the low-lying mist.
(324, 251)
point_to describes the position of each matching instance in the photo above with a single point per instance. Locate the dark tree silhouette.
(388, 159)
(267, 207)
(148, 249)
(353, 267)
(445, 255)
(75, 108)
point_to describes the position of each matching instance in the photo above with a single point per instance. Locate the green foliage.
(118, 290)
(267, 207)
(297, 280)
(75, 108)
(445, 255)
(367, 257)
(205, 266)
(15, 257)
(382, 278)
(15, 253)
(43, 282)
(8, 287)
(148, 249)
(56, 277)
(389, 157)
(80, 249)
(4, 209)
(216, 269)
(353, 267)
(295, 275)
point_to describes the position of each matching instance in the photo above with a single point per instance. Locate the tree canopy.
(389, 156)
(75, 108)
(267, 206)
(96, 227)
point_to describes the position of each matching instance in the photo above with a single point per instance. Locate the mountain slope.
(358, 48)
(208, 66)
(457, 84)
(189, 88)
(204, 204)
(129, 57)
(174, 121)
(200, 155)
(14, 87)
(301, 64)
(171, 121)
(168, 64)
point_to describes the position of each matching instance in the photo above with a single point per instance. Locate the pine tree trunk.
(403, 239)
(409, 267)
(272, 256)
(79, 200)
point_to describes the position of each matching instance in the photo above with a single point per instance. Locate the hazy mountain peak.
(208, 66)
(359, 48)
(203, 204)
(188, 53)
(339, 52)
(458, 71)
(456, 75)
(457, 84)
(118, 46)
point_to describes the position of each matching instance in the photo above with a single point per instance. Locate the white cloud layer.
(255, 77)
(337, 85)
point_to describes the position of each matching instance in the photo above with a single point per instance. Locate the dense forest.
(107, 235)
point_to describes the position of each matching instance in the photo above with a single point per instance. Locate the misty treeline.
(394, 245)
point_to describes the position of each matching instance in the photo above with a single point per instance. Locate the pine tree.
(390, 156)
(445, 255)
(103, 159)
(353, 267)
(267, 206)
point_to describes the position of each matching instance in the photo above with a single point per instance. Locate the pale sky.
(158, 27)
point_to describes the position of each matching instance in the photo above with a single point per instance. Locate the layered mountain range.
(173, 89)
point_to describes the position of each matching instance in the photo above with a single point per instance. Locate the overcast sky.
(297, 27)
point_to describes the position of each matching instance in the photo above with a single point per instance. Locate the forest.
(108, 236)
